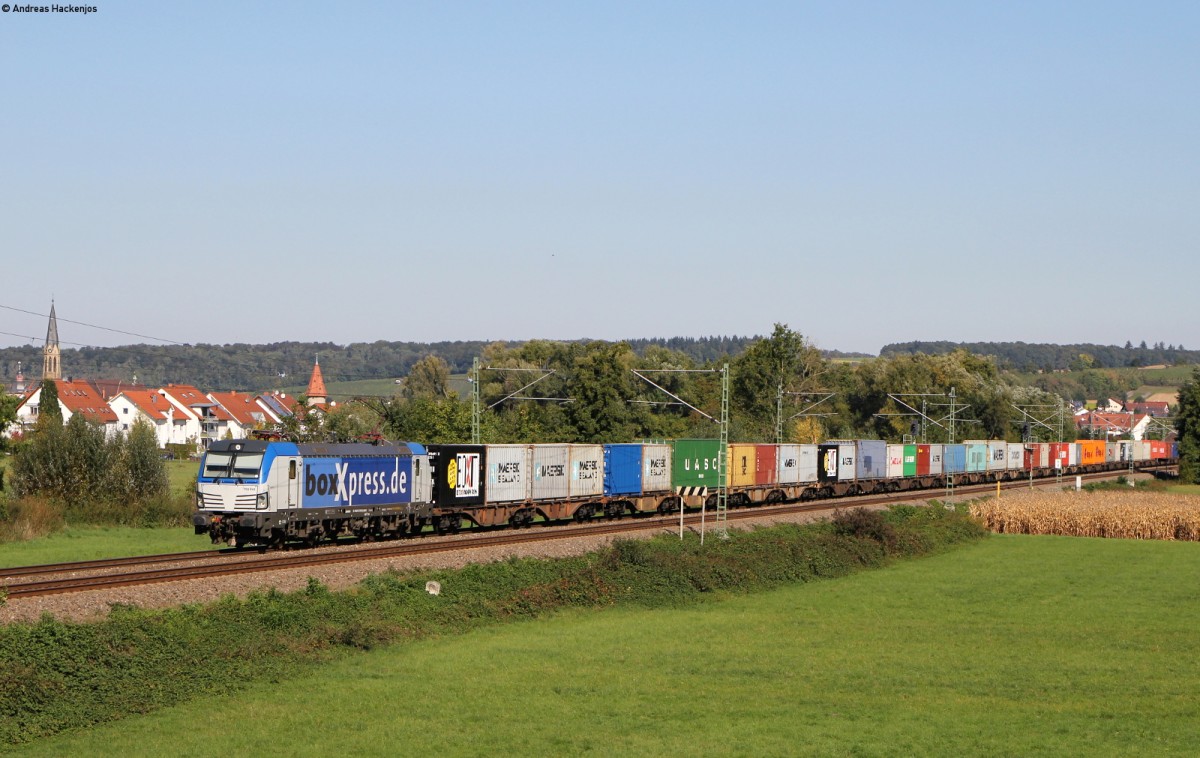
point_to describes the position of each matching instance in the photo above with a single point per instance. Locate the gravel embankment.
(95, 604)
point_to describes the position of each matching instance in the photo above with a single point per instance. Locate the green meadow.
(1008, 646)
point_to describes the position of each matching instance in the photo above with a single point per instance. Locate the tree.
(429, 377)
(785, 362)
(49, 410)
(1187, 423)
(8, 415)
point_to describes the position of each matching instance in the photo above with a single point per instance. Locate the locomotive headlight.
(262, 500)
(199, 501)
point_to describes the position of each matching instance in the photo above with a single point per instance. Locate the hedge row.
(57, 675)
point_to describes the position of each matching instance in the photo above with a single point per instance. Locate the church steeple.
(51, 354)
(316, 385)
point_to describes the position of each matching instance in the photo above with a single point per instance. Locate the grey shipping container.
(587, 471)
(508, 473)
(551, 467)
(656, 468)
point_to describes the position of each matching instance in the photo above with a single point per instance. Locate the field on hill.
(1013, 646)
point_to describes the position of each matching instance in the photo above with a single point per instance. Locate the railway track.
(217, 563)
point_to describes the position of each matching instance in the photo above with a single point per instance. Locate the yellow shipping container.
(741, 465)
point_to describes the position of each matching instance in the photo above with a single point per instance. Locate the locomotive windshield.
(232, 465)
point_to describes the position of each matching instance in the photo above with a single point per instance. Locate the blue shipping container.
(622, 469)
(954, 459)
(872, 459)
(977, 456)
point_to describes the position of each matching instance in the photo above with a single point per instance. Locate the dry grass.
(1126, 515)
(28, 518)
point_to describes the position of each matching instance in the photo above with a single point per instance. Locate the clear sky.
(864, 172)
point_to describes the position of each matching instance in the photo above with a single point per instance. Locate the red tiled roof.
(190, 397)
(80, 397)
(151, 403)
(240, 407)
(316, 385)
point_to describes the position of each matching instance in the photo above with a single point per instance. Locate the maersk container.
(977, 455)
(1091, 452)
(694, 463)
(741, 465)
(765, 464)
(656, 468)
(954, 458)
(622, 469)
(587, 471)
(910, 460)
(872, 459)
(551, 472)
(508, 473)
(895, 461)
(1016, 455)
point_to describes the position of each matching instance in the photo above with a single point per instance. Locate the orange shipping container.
(1091, 452)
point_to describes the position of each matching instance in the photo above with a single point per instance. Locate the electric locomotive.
(259, 492)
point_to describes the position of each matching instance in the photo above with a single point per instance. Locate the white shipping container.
(787, 464)
(1073, 454)
(587, 470)
(656, 468)
(1141, 450)
(847, 461)
(550, 472)
(1016, 455)
(807, 464)
(895, 462)
(997, 455)
(508, 473)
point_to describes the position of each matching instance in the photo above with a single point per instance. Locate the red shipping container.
(1158, 449)
(922, 460)
(765, 461)
(1060, 454)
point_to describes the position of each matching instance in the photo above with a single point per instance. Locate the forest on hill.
(259, 368)
(1033, 357)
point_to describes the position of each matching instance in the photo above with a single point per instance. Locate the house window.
(125, 411)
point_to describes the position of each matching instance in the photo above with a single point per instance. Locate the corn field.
(1132, 515)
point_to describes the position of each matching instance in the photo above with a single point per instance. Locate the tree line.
(1021, 356)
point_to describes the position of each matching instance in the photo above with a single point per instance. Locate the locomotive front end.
(237, 495)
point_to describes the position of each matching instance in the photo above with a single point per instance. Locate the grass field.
(1014, 646)
(78, 543)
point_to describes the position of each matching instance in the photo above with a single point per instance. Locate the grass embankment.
(1010, 646)
(56, 675)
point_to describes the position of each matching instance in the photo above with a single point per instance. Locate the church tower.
(51, 354)
(316, 386)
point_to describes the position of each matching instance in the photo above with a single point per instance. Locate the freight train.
(271, 493)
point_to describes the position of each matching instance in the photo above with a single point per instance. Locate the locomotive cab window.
(291, 469)
(217, 464)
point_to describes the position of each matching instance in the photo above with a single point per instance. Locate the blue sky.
(865, 172)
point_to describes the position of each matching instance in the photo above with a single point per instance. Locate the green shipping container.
(910, 460)
(694, 463)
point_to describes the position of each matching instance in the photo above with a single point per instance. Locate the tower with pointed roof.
(316, 386)
(51, 354)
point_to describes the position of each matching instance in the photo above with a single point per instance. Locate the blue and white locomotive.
(267, 493)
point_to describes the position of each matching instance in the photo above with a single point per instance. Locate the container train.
(271, 493)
